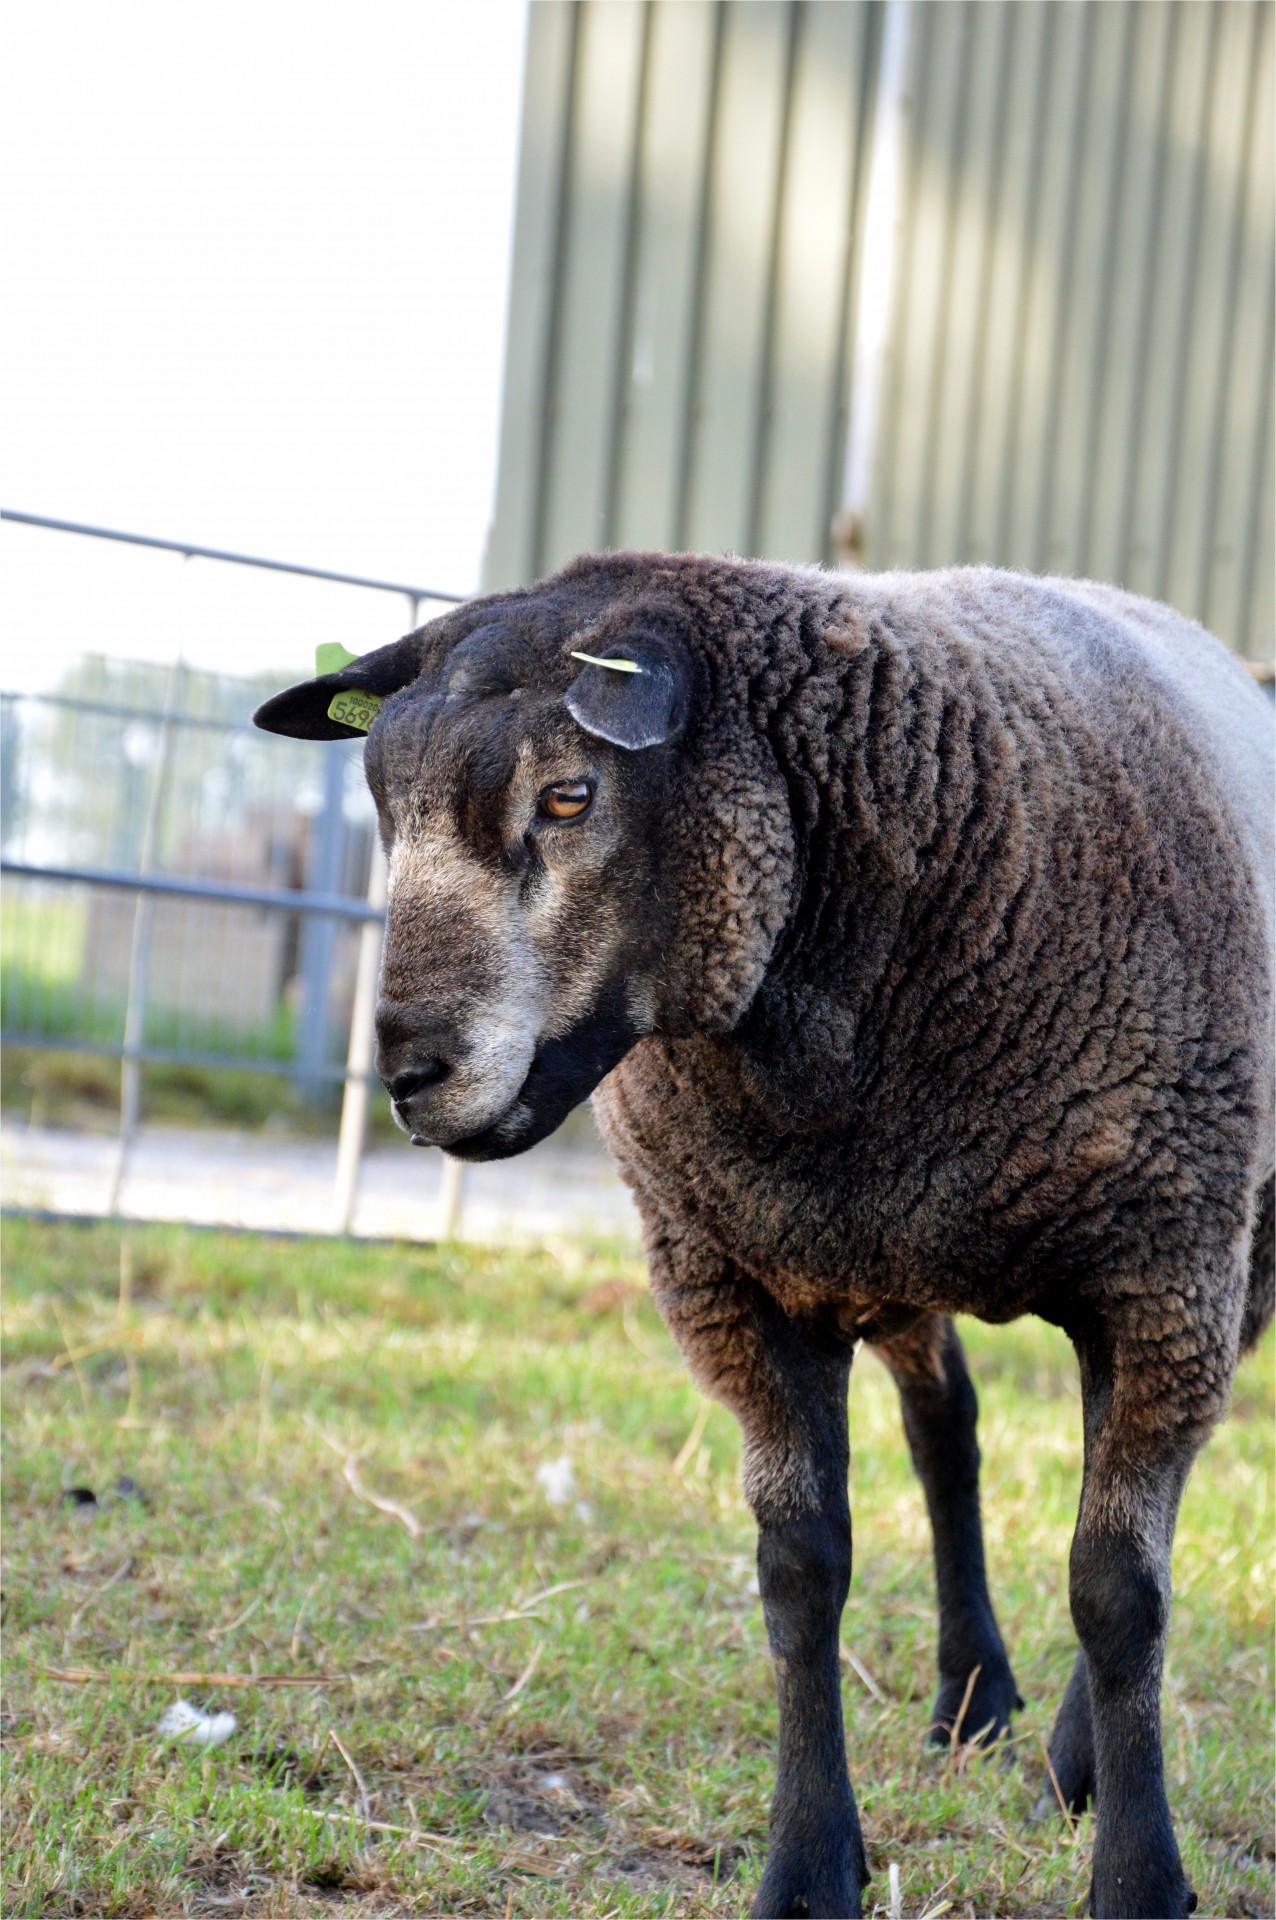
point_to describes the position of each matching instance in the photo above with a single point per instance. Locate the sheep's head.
(531, 806)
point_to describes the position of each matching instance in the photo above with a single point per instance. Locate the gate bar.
(228, 893)
(190, 552)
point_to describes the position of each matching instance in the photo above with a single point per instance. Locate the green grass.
(60, 1086)
(52, 928)
(64, 1006)
(82, 1090)
(630, 1771)
(44, 990)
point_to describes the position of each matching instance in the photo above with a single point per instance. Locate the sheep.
(915, 930)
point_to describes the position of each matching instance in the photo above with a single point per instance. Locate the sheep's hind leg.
(1071, 1751)
(785, 1379)
(1071, 1776)
(1140, 1437)
(940, 1411)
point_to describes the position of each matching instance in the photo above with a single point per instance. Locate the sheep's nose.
(414, 1079)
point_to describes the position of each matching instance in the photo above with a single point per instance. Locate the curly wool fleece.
(975, 871)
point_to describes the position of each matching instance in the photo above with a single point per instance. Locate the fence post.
(140, 953)
(319, 934)
(354, 1102)
(871, 321)
(451, 1193)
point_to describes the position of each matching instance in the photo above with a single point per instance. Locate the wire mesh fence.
(186, 895)
(261, 982)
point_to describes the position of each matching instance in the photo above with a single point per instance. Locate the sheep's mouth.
(563, 1074)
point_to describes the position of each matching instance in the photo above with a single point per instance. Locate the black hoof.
(815, 1876)
(1157, 1896)
(795, 1896)
(1072, 1783)
(985, 1718)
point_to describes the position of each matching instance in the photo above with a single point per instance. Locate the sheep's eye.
(566, 801)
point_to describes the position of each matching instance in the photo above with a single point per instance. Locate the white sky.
(257, 259)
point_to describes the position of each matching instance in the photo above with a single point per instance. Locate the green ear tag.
(331, 657)
(352, 708)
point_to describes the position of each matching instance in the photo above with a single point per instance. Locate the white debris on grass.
(195, 1728)
(557, 1480)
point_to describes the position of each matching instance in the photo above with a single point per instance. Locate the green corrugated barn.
(900, 281)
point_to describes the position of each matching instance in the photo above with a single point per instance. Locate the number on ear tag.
(355, 709)
(351, 707)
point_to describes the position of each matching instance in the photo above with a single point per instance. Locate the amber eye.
(567, 801)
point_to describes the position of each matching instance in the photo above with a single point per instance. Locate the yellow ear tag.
(355, 709)
(352, 707)
(617, 666)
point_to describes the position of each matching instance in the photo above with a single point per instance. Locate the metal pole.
(318, 936)
(143, 926)
(872, 318)
(354, 1104)
(336, 906)
(452, 1178)
(451, 1194)
(189, 552)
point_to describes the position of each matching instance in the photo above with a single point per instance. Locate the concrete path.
(223, 1178)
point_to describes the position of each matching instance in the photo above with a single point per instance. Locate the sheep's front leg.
(795, 1481)
(785, 1379)
(940, 1410)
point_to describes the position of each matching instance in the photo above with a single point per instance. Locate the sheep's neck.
(917, 859)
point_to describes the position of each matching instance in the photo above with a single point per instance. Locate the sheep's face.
(582, 850)
(520, 931)
(516, 786)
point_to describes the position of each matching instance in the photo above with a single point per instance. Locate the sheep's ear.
(302, 712)
(633, 697)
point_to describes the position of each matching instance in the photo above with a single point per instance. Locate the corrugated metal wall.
(1079, 376)
(1080, 373)
(683, 275)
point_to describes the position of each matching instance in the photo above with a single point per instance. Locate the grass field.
(518, 1696)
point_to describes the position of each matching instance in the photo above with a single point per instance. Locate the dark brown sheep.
(920, 925)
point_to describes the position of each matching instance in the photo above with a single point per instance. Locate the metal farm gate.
(184, 890)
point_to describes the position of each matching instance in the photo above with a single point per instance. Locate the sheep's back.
(1217, 701)
(1154, 696)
